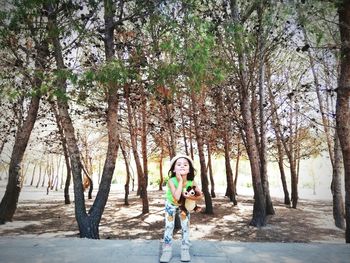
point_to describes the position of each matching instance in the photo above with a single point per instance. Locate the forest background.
(87, 83)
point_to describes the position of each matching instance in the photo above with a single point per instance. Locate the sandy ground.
(42, 215)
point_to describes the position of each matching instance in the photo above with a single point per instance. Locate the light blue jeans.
(170, 212)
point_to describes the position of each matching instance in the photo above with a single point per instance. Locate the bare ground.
(312, 221)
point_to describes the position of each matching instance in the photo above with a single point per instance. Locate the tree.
(332, 145)
(261, 41)
(259, 209)
(9, 40)
(88, 222)
(65, 151)
(343, 103)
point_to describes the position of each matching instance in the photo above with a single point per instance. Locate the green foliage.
(115, 72)
(156, 181)
(201, 65)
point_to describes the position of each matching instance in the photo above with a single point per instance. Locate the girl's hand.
(179, 177)
(176, 191)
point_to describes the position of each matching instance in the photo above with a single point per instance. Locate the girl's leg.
(170, 211)
(185, 226)
(185, 243)
(168, 233)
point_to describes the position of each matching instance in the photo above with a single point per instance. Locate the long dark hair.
(190, 175)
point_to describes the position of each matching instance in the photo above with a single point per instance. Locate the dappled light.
(122, 120)
(51, 218)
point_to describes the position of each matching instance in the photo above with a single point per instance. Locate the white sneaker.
(185, 254)
(166, 254)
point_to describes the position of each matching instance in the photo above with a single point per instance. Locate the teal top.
(169, 195)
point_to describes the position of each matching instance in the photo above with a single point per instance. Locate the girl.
(181, 174)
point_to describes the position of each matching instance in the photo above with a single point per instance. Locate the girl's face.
(182, 166)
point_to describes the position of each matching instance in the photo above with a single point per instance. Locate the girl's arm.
(176, 192)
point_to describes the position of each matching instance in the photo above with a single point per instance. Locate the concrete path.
(52, 250)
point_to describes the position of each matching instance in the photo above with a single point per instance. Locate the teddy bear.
(187, 204)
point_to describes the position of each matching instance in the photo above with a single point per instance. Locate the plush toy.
(187, 204)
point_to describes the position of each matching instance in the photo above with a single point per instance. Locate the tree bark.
(9, 201)
(144, 130)
(39, 179)
(259, 209)
(87, 180)
(263, 126)
(230, 190)
(222, 118)
(210, 169)
(277, 127)
(171, 128)
(338, 205)
(343, 103)
(237, 167)
(72, 145)
(65, 152)
(200, 146)
(33, 174)
(291, 153)
(183, 126)
(161, 177)
(88, 223)
(127, 181)
(140, 172)
(191, 139)
(96, 211)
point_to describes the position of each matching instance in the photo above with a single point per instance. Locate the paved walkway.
(63, 250)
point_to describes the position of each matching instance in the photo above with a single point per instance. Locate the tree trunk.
(25, 172)
(127, 182)
(87, 167)
(171, 128)
(263, 124)
(88, 223)
(338, 205)
(343, 103)
(183, 126)
(87, 181)
(259, 209)
(144, 130)
(65, 152)
(276, 126)
(283, 175)
(333, 149)
(67, 183)
(191, 139)
(46, 171)
(33, 174)
(72, 145)
(39, 179)
(291, 153)
(9, 201)
(210, 168)
(237, 167)
(140, 173)
(161, 181)
(89, 226)
(200, 146)
(230, 190)
(58, 171)
(49, 176)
